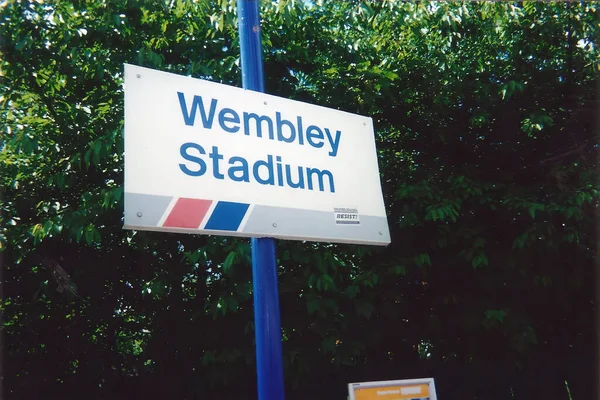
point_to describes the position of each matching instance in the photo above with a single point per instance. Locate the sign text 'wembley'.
(270, 171)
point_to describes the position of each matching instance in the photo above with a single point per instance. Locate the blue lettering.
(264, 172)
(215, 156)
(186, 156)
(320, 174)
(190, 117)
(269, 165)
(300, 138)
(279, 171)
(232, 117)
(243, 168)
(334, 142)
(280, 124)
(259, 120)
(314, 132)
(288, 176)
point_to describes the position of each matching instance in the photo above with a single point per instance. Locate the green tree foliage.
(483, 114)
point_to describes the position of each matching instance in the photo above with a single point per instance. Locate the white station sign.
(203, 157)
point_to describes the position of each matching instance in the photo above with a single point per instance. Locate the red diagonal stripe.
(187, 213)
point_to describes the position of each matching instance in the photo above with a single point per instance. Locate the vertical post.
(267, 325)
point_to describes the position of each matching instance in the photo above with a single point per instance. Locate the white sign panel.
(202, 157)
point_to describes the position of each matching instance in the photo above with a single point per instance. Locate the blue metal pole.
(250, 45)
(267, 325)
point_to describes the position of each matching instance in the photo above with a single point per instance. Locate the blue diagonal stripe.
(227, 216)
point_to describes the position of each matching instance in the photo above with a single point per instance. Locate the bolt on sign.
(203, 157)
(409, 389)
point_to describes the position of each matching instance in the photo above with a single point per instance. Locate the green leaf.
(328, 282)
(89, 235)
(86, 157)
(80, 231)
(96, 153)
(497, 315)
(479, 261)
(391, 75)
(422, 259)
(229, 261)
(400, 270)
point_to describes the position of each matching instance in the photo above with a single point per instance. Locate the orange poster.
(409, 392)
(415, 389)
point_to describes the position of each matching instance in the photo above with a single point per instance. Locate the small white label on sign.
(346, 216)
(411, 390)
